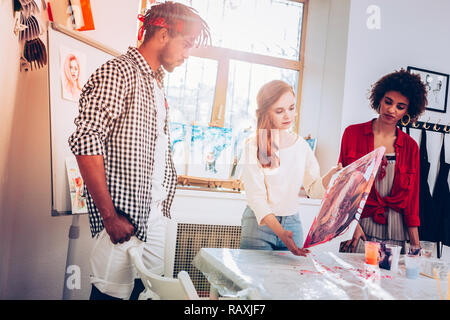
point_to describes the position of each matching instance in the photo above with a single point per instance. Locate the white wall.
(9, 66)
(115, 22)
(412, 33)
(323, 83)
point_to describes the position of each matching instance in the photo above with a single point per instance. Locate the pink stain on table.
(360, 272)
(302, 272)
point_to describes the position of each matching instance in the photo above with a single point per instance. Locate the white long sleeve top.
(277, 190)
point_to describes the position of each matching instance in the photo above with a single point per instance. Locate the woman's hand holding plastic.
(358, 234)
(327, 178)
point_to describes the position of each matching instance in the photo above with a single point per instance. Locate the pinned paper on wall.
(81, 10)
(344, 199)
(72, 14)
(73, 72)
(76, 186)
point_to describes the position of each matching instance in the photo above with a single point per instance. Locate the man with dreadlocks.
(122, 147)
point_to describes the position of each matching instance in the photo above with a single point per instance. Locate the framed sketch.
(437, 88)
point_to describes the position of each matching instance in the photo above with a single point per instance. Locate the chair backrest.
(162, 288)
(185, 238)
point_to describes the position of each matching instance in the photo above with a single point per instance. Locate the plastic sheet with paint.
(322, 275)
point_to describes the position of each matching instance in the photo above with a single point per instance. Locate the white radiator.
(184, 242)
(201, 219)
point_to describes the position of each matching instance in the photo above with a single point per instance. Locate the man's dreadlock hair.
(178, 19)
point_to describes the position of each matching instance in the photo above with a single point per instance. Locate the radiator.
(190, 238)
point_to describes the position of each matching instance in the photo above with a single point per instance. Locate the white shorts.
(112, 271)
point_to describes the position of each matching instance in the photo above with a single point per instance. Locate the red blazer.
(357, 141)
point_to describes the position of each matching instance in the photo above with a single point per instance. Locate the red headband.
(158, 22)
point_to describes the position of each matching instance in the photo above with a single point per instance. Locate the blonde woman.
(275, 165)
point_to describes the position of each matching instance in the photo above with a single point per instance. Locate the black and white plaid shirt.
(117, 119)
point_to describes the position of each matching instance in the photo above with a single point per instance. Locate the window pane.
(210, 152)
(190, 91)
(268, 27)
(245, 80)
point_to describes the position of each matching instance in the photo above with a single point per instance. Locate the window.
(214, 92)
(190, 91)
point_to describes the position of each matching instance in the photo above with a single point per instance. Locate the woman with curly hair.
(391, 213)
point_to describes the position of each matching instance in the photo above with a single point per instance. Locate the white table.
(279, 275)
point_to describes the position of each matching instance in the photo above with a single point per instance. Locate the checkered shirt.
(117, 119)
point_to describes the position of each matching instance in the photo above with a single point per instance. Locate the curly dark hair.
(408, 84)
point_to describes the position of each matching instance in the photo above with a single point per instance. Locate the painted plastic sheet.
(344, 199)
(322, 275)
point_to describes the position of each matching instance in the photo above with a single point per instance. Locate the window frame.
(224, 55)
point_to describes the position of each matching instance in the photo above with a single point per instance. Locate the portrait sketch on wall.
(436, 84)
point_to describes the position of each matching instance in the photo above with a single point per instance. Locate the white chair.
(162, 288)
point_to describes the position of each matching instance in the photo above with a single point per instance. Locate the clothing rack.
(436, 127)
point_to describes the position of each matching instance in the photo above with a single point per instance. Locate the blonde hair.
(267, 149)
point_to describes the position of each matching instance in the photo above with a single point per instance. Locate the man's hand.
(93, 172)
(119, 228)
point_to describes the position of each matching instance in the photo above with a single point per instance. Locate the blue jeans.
(254, 236)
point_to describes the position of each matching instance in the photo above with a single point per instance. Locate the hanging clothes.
(429, 228)
(441, 198)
